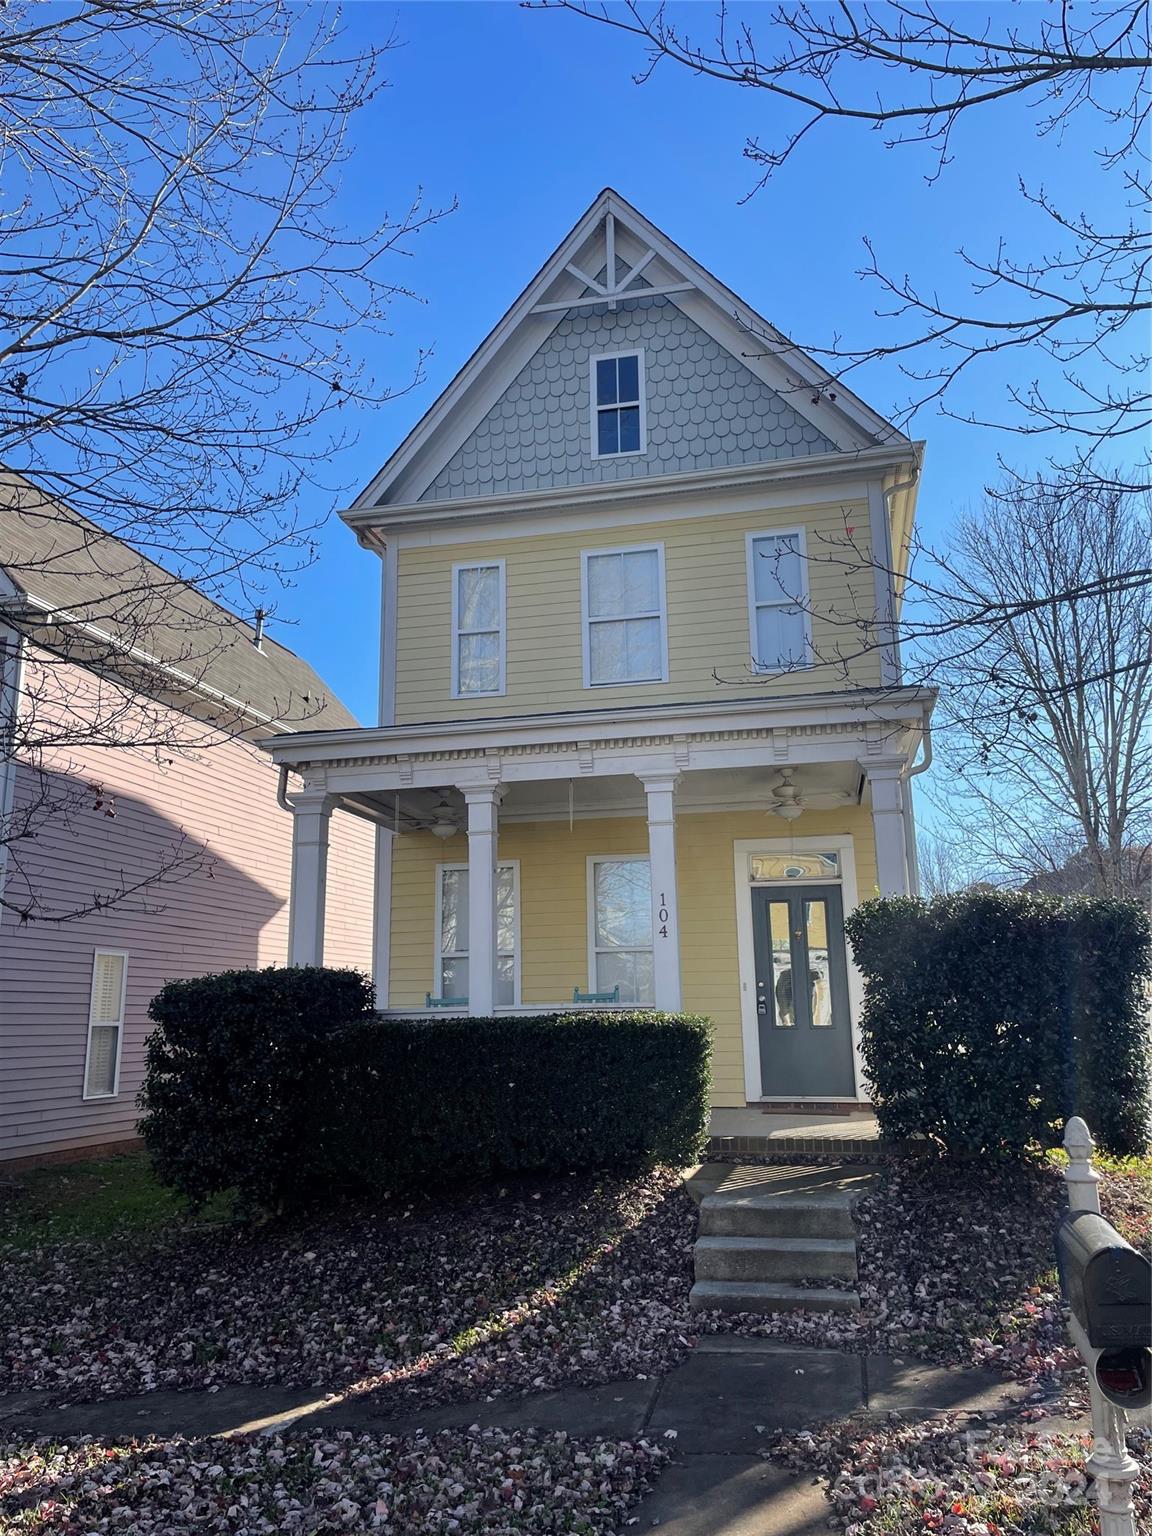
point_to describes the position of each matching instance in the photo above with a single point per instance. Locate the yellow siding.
(554, 918)
(707, 606)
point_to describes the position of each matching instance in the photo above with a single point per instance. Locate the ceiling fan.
(788, 801)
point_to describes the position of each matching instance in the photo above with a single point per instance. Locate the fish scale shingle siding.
(706, 410)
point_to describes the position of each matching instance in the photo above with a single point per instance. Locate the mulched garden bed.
(463, 1482)
(546, 1282)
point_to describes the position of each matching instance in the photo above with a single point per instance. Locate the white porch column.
(311, 813)
(660, 791)
(888, 823)
(482, 806)
(382, 915)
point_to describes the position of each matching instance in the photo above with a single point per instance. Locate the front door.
(802, 992)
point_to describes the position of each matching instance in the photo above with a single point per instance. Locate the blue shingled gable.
(706, 410)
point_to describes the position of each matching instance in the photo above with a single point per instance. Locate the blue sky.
(523, 116)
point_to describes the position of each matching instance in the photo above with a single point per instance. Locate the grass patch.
(94, 1200)
(1125, 1194)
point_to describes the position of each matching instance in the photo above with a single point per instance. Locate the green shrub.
(445, 1100)
(990, 1017)
(283, 1085)
(230, 1073)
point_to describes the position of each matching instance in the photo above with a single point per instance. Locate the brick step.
(764, 1296)
(777, 1215)
(775, 1258)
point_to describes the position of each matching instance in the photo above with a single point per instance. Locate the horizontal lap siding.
(224, 799)
(554, 916)
(706, 578)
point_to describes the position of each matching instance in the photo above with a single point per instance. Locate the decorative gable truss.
(617, 280)
(618, 274)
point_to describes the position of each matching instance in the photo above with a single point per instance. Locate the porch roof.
(797, 728)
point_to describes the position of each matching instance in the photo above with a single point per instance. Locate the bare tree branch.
(187, 301)
(1075, 319)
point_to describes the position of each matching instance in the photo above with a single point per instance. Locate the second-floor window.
(778, 601)
(618, 404)
(624, 625)
(477, 630)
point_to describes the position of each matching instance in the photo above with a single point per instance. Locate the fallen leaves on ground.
(956, 1476)
(542, 1283)
(957, 1265)
(459, 1481)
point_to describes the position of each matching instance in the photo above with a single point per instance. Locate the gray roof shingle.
(141, 621)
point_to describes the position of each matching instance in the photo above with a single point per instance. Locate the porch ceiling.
(821, 786)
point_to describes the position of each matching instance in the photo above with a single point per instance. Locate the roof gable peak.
(613, 254)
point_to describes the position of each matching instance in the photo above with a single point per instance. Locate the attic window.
(617, 404)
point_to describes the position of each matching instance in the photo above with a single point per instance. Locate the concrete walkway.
(716, 1412)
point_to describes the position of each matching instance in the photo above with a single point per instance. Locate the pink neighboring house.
(74, 994)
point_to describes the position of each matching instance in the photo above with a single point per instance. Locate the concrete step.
(764, 1296)
(777, 1215)
(775, 1258)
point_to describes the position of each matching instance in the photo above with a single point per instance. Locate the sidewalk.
(718, 1407)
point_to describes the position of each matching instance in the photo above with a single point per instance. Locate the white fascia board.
(732, 322)
(865, 709)
(814, 469)
(589, 761)
(484, 355)
(729, 303)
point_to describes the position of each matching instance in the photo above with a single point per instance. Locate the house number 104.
(662, 916)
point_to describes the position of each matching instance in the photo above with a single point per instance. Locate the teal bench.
(596, 997)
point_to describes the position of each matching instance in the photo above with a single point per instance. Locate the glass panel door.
(802, 1004)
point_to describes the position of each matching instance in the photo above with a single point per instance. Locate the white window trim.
(586, 619)
(438, 954)
(753, 638)
(594, 422)
(593, 951)
(502, 649)
(97, 955)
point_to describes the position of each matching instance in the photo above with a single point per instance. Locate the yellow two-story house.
(643, 739)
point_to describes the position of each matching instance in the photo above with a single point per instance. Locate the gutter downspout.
(12, 647)
(909, 812)
(343, 803)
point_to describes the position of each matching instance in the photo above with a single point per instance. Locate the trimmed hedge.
(285, 1086)
(992, 1016)
(231, 1070)
(463, 1097)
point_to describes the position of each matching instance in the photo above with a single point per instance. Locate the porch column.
(660, 791)
(382, 915)
(482, 825)
(884, 775)
(311, 813)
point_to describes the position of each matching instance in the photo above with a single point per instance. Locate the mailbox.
(1108, 1288)
(1106, 1283)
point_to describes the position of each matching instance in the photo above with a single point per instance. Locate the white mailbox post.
(1112, 1469)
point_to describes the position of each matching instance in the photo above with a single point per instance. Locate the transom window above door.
(625, 637)
(618, 424)
(794, 866)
